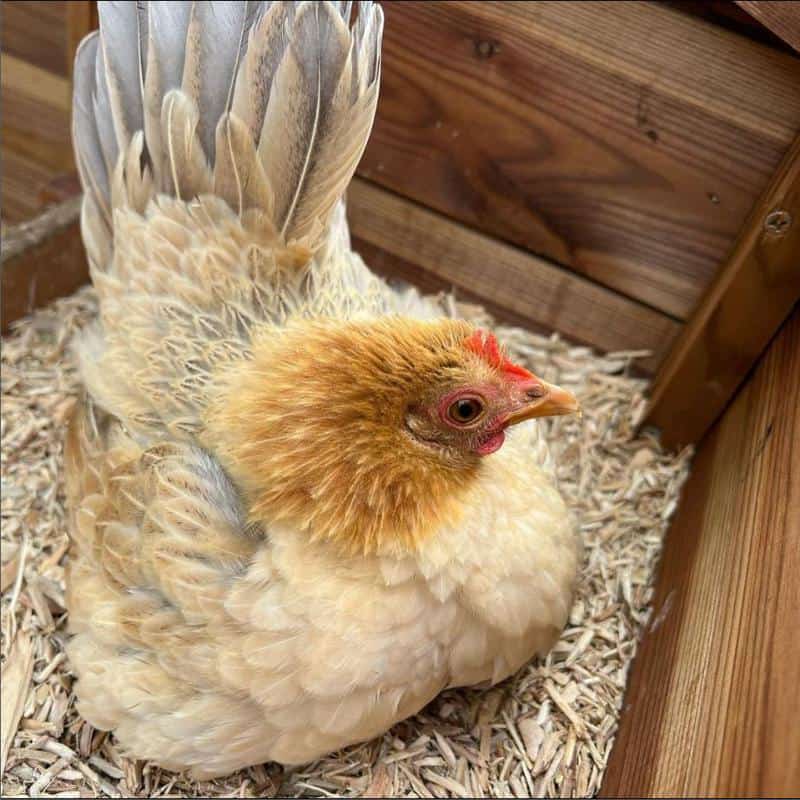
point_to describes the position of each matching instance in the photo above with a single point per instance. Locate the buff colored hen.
(295, 517)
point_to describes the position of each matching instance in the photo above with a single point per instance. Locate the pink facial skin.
(489, 434)
(486, 433)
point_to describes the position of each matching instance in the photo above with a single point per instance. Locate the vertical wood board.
(747, 302)
(712, 704)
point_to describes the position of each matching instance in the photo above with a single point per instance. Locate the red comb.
(485, 345)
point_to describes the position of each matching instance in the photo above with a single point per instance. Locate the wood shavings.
(547, 731)
(14, 691)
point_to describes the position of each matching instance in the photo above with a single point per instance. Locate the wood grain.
(507, 277)
(38, 84)
(747, 302)
(627, 141)
(38, 41)
(21, 186)
(730, 16)
(35, 127)
(782, 18)
(712, 704)
(34, 32)
(53, 268)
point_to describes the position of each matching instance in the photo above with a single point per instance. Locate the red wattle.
(492, 444)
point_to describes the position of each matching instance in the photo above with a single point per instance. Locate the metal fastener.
(486, 48)
(778, 222)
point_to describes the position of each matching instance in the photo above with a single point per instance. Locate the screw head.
(778, 222)
(486, 48)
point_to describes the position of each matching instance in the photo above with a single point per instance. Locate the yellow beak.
(551, 402)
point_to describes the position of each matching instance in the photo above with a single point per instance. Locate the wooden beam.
(626, 141)
(747, 302)
(38, 84)
(33, 31)
(782, 18)
(536, 291)
(712, 706)
(42, 260)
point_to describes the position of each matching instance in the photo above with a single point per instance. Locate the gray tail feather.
(267, 105)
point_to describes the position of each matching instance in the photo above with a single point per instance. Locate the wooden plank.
(36, 83)
(36, 144)
(34, 32)
(399, 270)
(529, 287)
(712, 704)
(782, 18)
(53, 267)
(747, 302)
(627, 141)
(36, 130)
(20, 188)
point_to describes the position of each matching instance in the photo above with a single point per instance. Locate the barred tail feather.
(267, 105)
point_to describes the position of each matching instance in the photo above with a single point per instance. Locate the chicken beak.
(551, 402)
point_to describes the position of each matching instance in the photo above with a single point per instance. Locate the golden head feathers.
(366, 433)
(313, 429)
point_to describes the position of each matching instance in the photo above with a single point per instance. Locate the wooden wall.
(38, 40)
(712, 707)
(624, 141)
(599, 158)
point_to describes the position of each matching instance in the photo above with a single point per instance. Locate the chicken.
(297, 508)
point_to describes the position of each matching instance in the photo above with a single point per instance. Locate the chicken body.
(208, 640)
(283, 540)
(208, 648)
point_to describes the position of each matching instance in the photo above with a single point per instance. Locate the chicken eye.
(465, 410)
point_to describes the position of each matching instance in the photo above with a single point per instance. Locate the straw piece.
(16, 682)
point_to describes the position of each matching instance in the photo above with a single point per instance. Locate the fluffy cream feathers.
(257, 572)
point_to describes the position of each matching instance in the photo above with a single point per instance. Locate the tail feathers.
(267, 105)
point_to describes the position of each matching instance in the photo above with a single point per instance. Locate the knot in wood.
(486, 48)
(778, 222)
